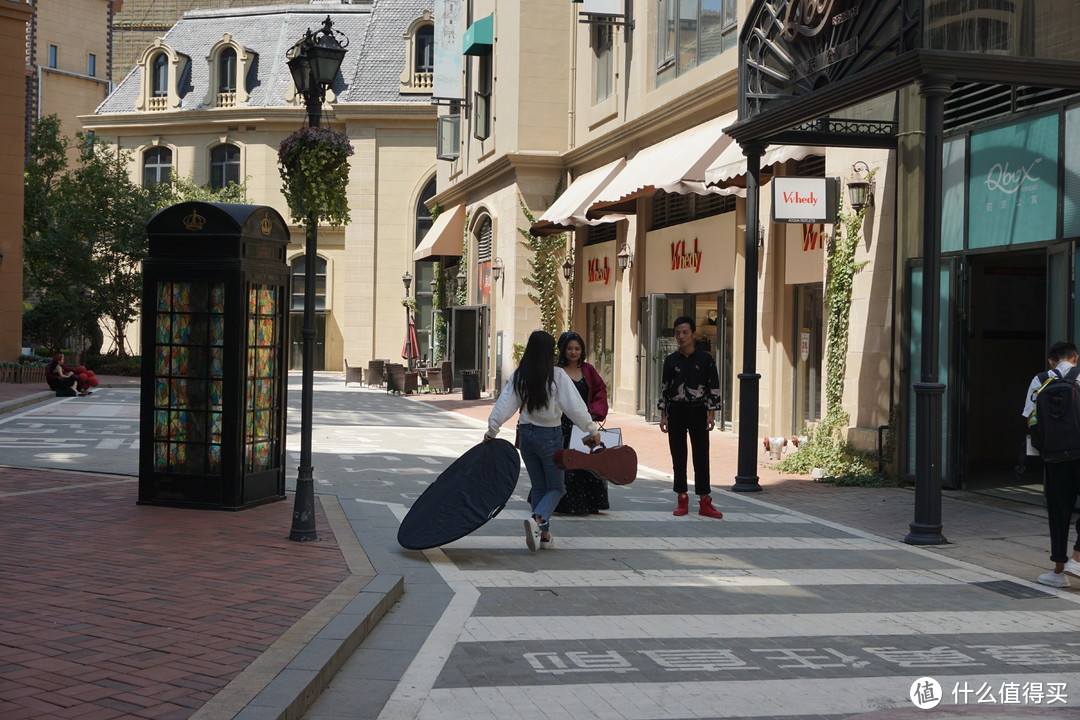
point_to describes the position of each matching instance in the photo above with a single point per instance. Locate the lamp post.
(314, 62)
(406, 280)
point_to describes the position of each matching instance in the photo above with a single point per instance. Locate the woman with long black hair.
(542, 394)
(585, 493)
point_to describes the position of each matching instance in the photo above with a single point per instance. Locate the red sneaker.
(706, 508)
(684, 505)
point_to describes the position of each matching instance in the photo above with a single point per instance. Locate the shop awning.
(479, 37)
(444, 237)
(568, 211)
(729, 170)
(675, 165)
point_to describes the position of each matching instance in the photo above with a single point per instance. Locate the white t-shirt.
(563, 399)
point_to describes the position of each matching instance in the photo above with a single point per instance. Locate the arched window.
(159, 75)
(424, 275)
(227, 71)
(299, 265)
(483, 261)
(224, 166)
(157, 164)
(425, 49)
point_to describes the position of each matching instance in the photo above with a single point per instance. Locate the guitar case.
(617, 465)
(474, 489)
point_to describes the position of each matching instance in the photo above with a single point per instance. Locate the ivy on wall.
(544, 269)
(825, 447)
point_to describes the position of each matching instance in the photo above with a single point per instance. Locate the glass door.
(725, 358)
(1058, 264)
(600, 341)
(663, 309)
(809, 339)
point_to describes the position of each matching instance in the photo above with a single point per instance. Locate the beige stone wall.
(13, 19)
(394, 158)
(77, 28)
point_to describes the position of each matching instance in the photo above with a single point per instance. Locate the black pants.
(692, 420)
(1061, 489)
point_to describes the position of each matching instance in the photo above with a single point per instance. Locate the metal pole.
(303, 522)
(749, 379)
(926, 528)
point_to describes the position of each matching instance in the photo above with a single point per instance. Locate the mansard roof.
(370, 71)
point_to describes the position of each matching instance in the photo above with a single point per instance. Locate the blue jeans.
(538, 446)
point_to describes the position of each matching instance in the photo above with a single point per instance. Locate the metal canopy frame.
(799, 63)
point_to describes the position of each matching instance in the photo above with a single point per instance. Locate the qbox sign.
(1013, 183)
(804, 199)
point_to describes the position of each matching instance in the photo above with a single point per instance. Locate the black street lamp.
(406, 280)
(314, 62)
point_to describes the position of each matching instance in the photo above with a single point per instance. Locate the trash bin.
(470, 384)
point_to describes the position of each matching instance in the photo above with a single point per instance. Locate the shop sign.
(598, 280)
(598, 271)
(1012, 183)
(804, 253)
(684, 259)
(804, 344)
(804, 200)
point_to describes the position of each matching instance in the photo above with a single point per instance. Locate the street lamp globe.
(406, 280)
(314, 62)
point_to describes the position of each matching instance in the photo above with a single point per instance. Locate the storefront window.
(600, 342)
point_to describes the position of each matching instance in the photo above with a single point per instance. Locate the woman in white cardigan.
(542, 393)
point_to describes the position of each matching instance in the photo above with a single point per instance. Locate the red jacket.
(597, 401)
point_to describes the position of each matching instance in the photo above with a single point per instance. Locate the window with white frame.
(227, 71)
(418, 76)
(482, 97)
(448, 135)
(603, 61)
(159, 75)
(224, 166)
(157, 166)
(690, 32)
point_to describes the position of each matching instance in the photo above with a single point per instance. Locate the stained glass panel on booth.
(190, 320)
(261, 404)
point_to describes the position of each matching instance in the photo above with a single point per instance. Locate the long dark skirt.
(585, 493)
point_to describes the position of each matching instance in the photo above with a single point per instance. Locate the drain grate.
(1013, 589)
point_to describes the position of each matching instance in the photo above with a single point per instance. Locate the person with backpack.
(1052, 410)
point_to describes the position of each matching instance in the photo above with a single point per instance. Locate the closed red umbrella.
(411, 349)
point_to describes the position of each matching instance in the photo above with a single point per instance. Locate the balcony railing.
(158, 103)
(423, 80)
(226, 99)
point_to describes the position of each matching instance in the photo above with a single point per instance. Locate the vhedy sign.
(804, 200)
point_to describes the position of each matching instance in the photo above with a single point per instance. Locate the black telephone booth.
(214, 312)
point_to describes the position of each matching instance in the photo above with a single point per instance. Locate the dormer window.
(419, 73)
(159, 81)
(425, 49)
(161, 68)
(229, 64)
(227, 71)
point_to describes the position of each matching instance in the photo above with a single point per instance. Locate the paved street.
(636, 614)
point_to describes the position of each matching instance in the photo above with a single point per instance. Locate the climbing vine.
(462, 295)
(545, 265)
(826, 448)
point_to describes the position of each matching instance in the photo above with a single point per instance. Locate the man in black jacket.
(689, 399)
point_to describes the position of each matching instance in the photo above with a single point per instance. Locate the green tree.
(84, 232)
(184, 189)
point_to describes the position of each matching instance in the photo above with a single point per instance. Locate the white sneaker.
(1072, 567)
(1053, 579)
(547, 544)
(532, 535)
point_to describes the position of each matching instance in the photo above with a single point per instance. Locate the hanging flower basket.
(314, 166)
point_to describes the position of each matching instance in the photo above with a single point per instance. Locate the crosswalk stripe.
(715, 578)
(612, 627)
(567, 545)
(736, 698)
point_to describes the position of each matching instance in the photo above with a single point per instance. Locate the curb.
(18, 403)
(283, 682)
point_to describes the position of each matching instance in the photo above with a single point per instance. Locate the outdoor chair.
(353, 374)
(376, 373)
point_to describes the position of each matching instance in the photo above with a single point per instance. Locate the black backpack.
(1055, 423)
